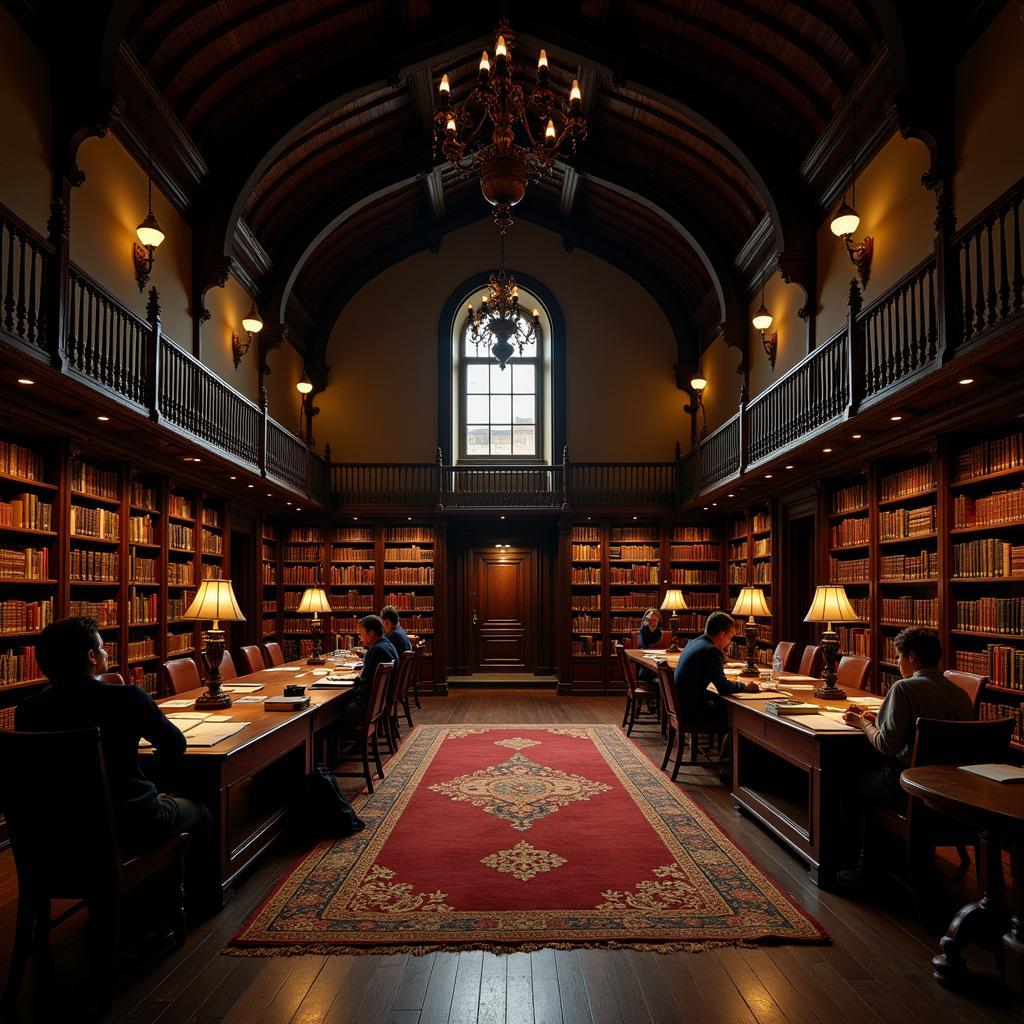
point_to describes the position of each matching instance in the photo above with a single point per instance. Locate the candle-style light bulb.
(549, 132)
(500, 50)
(445, 87)
(485, 62)
(575, 96)
(542, 60)
(450, 126)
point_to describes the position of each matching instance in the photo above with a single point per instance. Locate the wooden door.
(501, 599)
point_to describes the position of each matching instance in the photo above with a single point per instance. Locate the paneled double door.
(502, 607)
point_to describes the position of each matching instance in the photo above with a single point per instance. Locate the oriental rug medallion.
(521, 837)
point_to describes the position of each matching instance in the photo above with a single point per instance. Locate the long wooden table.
(250, 780)
(790, 777)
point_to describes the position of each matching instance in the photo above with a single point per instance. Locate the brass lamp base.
(673, 647)
(316, 658)
(750, 670)
(213, 652)
(830, 649)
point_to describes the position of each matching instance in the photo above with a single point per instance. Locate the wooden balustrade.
(24, 266)
(287, 456)
(807, 397)
(501, 486)
(106, 341)
(988, 254)
(898, 330)
(613, 483)
(720, 454)
(377, 484)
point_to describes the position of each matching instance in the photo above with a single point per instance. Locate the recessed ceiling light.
(103, 419)
(713, 504)
(25, 380)
(501, 517)
(269, 495)
(789, 467)
(355, 519)
(232, 477)
(634, 517)
(730, 495)
(287, 502)
(767, 476)
(826, 450)
(895, 419)
(857, 437)
(966, 380)
(408, 519)
(705, 508)
(251, 486)
(298, 510)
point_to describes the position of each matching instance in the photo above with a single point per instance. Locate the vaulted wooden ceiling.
(296, 136)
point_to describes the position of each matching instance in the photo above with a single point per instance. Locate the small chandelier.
(500, 316)
(527, 133)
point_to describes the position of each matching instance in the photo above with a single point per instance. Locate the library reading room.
(512, 512)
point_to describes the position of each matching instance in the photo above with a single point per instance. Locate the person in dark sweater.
(378, 650)
(648, 637)
(393, 631)
(702, 662)
(71, 654)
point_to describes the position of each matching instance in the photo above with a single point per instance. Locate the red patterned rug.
(521, 837)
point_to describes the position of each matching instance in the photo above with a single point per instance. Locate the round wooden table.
(997, 809)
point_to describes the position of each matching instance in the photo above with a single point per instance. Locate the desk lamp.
(830, 604)
(673, 602)
(314, 601)
(215, 602)
(750, 602)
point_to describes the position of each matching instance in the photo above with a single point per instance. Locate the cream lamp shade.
(830, 604)
(673, 601)
(215, 600)
(252, 321)
(845, 221)
(314, 601)
(149, 231)
(698, 383)
(751, 601)
(762, 319)
(305, 385)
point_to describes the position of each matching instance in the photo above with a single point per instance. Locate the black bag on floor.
(326, 812)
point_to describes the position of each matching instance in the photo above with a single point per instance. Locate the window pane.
(524, 377)
(476, 378)
(501, 440)
(523, 409)
(501, 380)
(476, 409)
(476, 441)
(524, 440)
(469, 349)
(529, 350)
(501, 409)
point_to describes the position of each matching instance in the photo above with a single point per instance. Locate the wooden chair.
(852, 671)
(227, 666)
(71, 851)
(812, 661)
(678, 727)
(251, 659)
(972, 685)
(113, 678)
(420, 647)
(938, 741)
(787, 652)
(365, 731)
(636, 692)
(275, 656)
(399, 696)
(180, 675)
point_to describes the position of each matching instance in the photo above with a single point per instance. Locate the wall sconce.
(762, 321)
(305, 386)
(698, 382)
(846, 219)
(252, 324)
(149, 232)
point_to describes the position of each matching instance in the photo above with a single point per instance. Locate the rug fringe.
(419, 949)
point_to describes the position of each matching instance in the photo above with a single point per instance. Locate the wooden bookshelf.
(270, 582)
(587, 555)
(145, 572)
(749, 560)
(182, 637)
(408, 577)
(302, 566)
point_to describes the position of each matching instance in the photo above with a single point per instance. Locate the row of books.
(987, 711)
(991, 456)
(353, 535)
(180, 537)
(855, 496)
(18, 665)
(292, 624)
(142, 496)
(26, 512)
(585, 534)
(739, 550)
(906, 522)
(93, 480)
(179, 643)
(305, 535)
(924, 566)
(854, 640)
(862, 606)
(343, 623)
(693, 533)
(143, 608)
(737, 573)
(634, 533)
(141, 570)
(585, 552)
(585, 574)
(213, 543)
(586, 646)
(410, 601)
(211, 517)
(340, 574)
(24, 564)
(633, 574)
(213, 572)
(25, 616)
(308, 575)
(585, 602)
(104, 612)
(407, 574)
(590, 624)
(908, 481)
(408, 535)
(140, 649)
(269, 575)
(762, 547)
(849, 570)
(338, 553)
(624, 552)
(631, 600)
(90, 565)
(989, 558)
(738, 528)
(848, 532)
(269, 607)
(408, 554)
(358, 601)
(910, 611)
(95, 522)
(177, 606)
(306, 553)
(1004, 665)
(141, 530)
(180, 574)
(180, 506)
(762, 572)
(761, 523)
(17, 460)
(988, 510)
(991, 615)
(692, 576)
(138, 676)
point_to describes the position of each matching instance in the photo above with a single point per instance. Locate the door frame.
(531, 623)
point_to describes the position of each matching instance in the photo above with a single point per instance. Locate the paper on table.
(795, 678)
(822, 723)
(280, 668)
(763, 695)
(206, 734)
(177, 703)
(320, 671)
(251, 700)
(798, 686)
(995, 772)
(187, 716)
(242, 687)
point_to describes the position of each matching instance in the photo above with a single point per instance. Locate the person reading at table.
(393, 630)
(703, 661)
(649, 637)
(378, 650)
(922, 692)
(71, 654)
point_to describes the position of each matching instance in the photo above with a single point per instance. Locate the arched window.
(492, 414)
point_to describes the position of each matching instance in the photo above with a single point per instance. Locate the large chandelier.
(501, 317)
(503, 135)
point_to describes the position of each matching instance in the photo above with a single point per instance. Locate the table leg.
(982, 921)
(1013, 940)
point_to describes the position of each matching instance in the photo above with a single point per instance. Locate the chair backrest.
(628, 668)
(786, 651)
(113, 678)
(853, 671)
(942, 741)
(181, 675)
(275, 656)
(667, 688)
(378, 694)
(251, 660)
(227, 666)
(811, 661)
(971, 684)
(401, 680)
(74, 852)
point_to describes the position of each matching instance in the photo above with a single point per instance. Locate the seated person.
(649, 637)
(393, 631)
(379, 649)
(703, 661)
(71, 654)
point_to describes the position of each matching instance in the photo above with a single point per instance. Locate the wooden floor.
(878, 968)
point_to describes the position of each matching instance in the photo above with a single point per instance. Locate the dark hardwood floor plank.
(718, 991)
(293, 990)
(317, 1000)
(547, 1006)
(437, 1001)
(493, 982)
(677, 971)
(519, 989)
(572, 987)
(414, 983)
(366, 973)
(466, 996)
(603, 1005)
(379, 997)
(755, 995)
(660, 1000)
(270, 977)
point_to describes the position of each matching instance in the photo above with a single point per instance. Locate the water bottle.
(776, 670)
